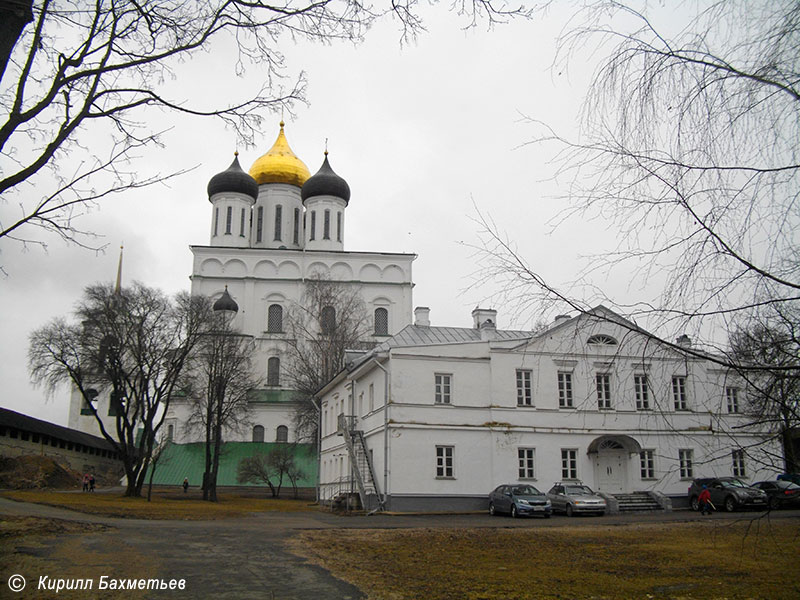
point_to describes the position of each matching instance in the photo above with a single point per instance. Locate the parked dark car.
(727, 493)
(519, 499)
(780, 493)
(793, 477)
(572, 497)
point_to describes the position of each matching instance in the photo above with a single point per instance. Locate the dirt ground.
(314, 555)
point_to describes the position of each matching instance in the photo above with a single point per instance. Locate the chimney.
(561, 318)
(422, 316)
(488, 330)
(482, 315)
(684, 341)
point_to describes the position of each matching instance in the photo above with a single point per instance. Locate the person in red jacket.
(704, 499)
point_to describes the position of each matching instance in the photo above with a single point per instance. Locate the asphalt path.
(248, 557)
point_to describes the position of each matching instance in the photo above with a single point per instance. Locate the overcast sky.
(423, 134)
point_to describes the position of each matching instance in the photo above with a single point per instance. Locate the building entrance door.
(611, 470)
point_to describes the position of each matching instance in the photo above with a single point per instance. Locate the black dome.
(225, 302)
(325, 183)
(233, 179)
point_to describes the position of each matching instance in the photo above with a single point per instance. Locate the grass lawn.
(165, 504)
(677, 560)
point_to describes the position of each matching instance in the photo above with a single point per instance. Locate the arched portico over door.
(611, 458)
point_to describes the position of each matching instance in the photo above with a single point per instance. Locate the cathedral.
(273, 229)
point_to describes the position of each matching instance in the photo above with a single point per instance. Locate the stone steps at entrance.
(636, 502)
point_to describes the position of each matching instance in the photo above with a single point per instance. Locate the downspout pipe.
(386, 396)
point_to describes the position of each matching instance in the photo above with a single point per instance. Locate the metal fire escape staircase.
(368, 492)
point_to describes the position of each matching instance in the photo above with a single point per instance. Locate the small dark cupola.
(326, 183)
(226, 303)
(233, 179)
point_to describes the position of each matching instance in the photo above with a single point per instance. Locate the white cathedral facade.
(272, 229)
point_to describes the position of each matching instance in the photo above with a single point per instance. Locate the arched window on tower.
(228, 220)
(170, 431)
(258, 433)
(326, 229)
(339, 226)
(273, 371)
(312, 231)
(275, 318)
(282, 435)
(278, 220)
(381, 321)
(241, 223)
(327, 320)
(296, 238)
(259, 223)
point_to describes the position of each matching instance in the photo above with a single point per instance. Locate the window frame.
(732, 399)
(384, 330)
(604, 392)
(228, 219)
(526, 463)
(277, 310)
(569, 464)
(679, 397)
(259, 224)
(565, 396)
(738, 466)
(445, 462)
(647, 463)
(278, 237)
(524, 388)
(442, 396)
(641, 387)
(326, 224)
(273, 371)
(686, 463)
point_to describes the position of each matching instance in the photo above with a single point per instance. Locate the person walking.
(704, 499)
(91, 482)
(185, 484)
(85, 482)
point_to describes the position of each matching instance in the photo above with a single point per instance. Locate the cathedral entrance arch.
(611, 458)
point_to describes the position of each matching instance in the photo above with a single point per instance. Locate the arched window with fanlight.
(275, 318)
(381, 321)
(258, 433)
(602, 339)
(327, 320)
(282, 434)
(273, 371)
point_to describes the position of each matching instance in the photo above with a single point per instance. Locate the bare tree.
(219, 381)
(70, 70)
(329, 319)
(772, 398)
(270, 468)
(131, 343)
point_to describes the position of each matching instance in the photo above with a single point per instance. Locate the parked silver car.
(517, 500)
(572, 497)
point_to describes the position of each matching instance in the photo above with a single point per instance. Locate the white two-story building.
(446, 414)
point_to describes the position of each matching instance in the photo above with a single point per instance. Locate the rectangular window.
(686, 460)
(647, 464)
(565, 390)
(679, 393)
(241, 223)
(278, 223)
(642, 393)
(732, 396)
(313, 225)
(738, 464)
(443, 382)
(216, 219)
(371, 397)
(259, 223)
(228, 220)
(296, 233)
(524, 397)
(603, 381)
(526, 461)
(338, 226)
(444, 461)
(569, 464)
(326, 226)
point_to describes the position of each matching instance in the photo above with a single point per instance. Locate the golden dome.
(280, 165)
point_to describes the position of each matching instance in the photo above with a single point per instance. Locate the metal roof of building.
(415, 335)
(181, 461)
(10, 418)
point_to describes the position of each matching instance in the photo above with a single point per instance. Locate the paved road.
(248, 557)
